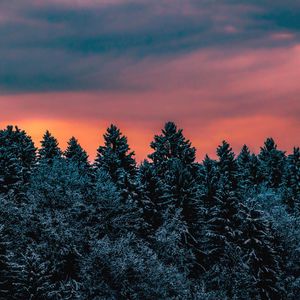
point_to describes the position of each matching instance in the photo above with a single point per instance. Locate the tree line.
(168, 228)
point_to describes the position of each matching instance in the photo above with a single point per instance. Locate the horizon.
(99, 141)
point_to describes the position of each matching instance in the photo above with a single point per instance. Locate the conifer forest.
(167, 228)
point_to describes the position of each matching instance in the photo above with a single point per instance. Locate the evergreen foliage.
(76, 153)
(272, 163)
(49, 148)
(169, 228)
(17, 158)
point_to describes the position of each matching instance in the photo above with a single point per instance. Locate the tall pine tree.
(227, 166)
(117, 160)
(17, 159)
(49, 148)
(76, 153)
(272, 163)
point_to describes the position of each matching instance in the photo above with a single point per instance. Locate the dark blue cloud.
(68, 47)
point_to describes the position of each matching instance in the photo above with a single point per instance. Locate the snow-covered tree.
(5, 267)
(171, 144)
(17, 158)
(260, 257)
(153, 195)
(227, 166)
(76, 153)
(49, 148)
(291, 181)
(208, 177)
(116, 158)
(33, 277)
(272, 163)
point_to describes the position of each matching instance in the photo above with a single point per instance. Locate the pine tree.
(5, 268)
(291, 181)
(174, 161)
(227, 166)
(255, 176)
(171, 144)
(244, 162)
(261, 259)
(17, 158)
(75, 153)
(208, 178)
(223, 226)
(272, 163)
(221, 240)
(153, 194)
(10, 172)
(33, 278)
(116, 158)
(49, 148)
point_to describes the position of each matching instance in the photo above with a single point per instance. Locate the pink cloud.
(242, 96)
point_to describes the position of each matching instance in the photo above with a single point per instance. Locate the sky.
(220, 69)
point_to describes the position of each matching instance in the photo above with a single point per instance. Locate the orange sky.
(252, 131)
(243, 98)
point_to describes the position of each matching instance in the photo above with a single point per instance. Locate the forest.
(167, 228)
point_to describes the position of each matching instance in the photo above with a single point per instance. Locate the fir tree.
(17, 158)
(291, 181)
(5, 266)
(116, 158)
(10, 172)
(49, 148)
(227, 166)
(259, 255)
(244, 162)
(208, 178)
(223, 226)
(153, 193)
(33, 278)
(255, 176)
(221, 240)
(171, 144)
(272, 163)
(75, 153)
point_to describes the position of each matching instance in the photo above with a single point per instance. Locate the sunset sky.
(223, 69)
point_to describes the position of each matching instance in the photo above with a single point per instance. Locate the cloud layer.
(222, 69)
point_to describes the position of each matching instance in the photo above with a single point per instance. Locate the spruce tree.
(5, 266)
(17, 159)
(208, 178)
(33, 280)
(117, 160)
(259, 256)
(153, 194)
(244, 162)
(169, 145)
(10, 172)
(291, 181)
(76, 153)
(221, 241)
(272, 163)
(49, 148)
(227, 166)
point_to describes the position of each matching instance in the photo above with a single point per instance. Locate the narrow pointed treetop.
(17, 158)
(245, 156)
(49, 149)
(227, 165)
(115, 156)
(272, 163)
(269, 145)
(75, 152)
(172, 144)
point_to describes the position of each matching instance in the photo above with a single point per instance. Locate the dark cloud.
(88, 45)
